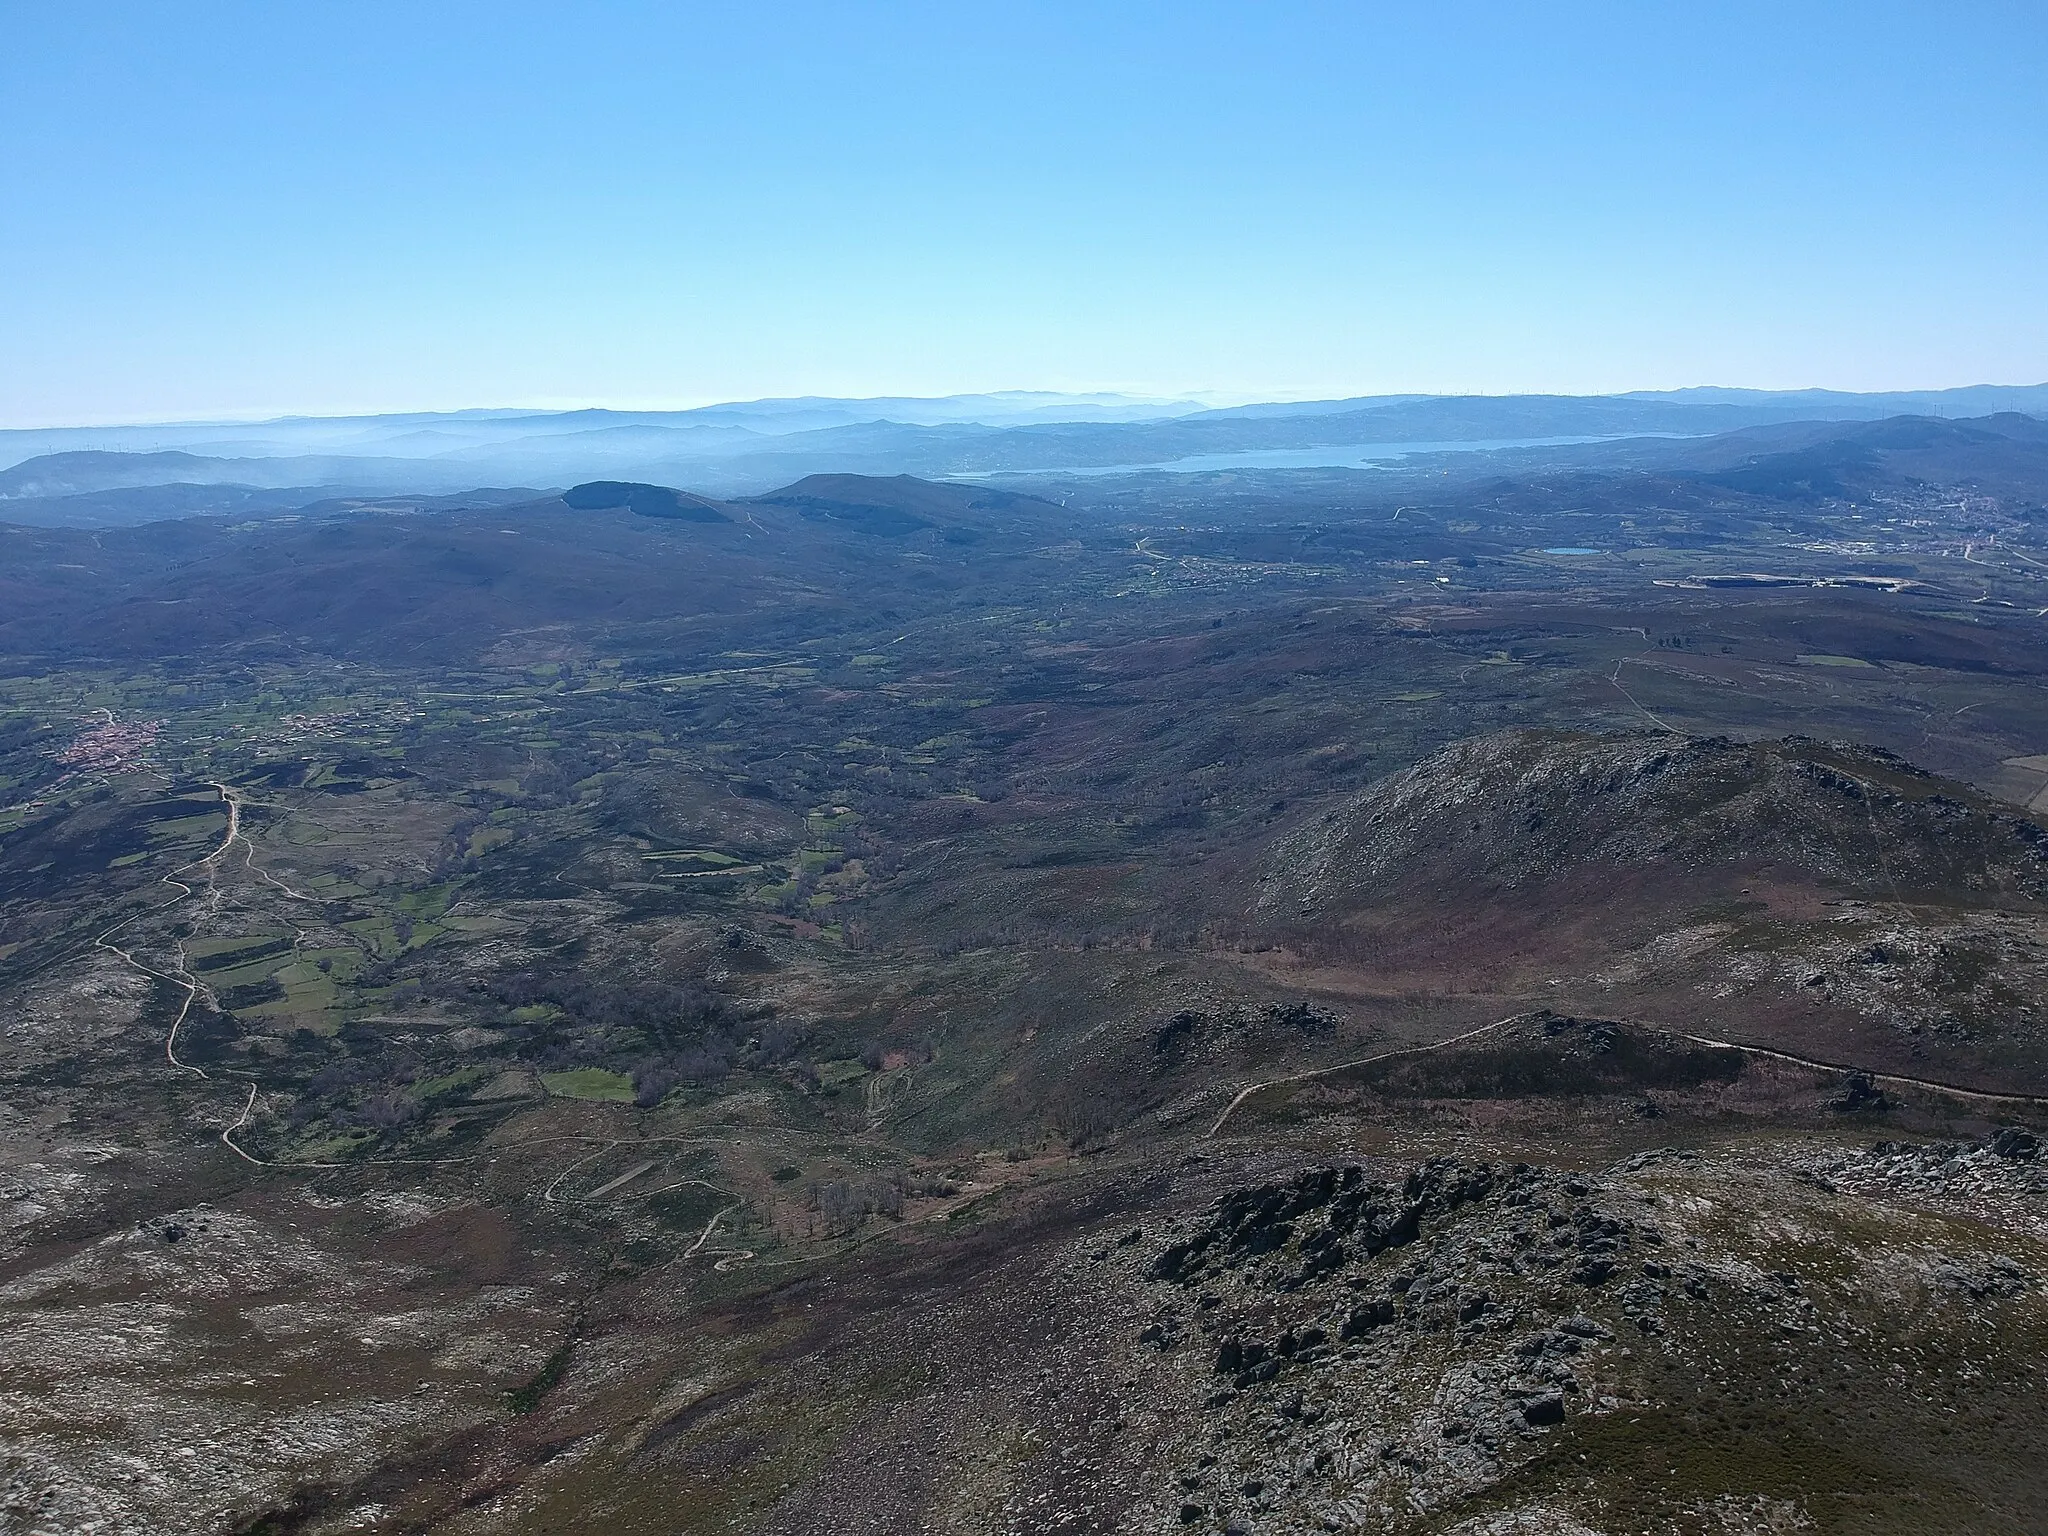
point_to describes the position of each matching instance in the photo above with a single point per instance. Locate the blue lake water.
(1344, 456)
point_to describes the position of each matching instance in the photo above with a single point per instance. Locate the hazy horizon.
(247, 212)
(1198, 399)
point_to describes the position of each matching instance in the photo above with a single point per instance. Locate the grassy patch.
(687, 1207)
(589, 1083)
(527, 1398)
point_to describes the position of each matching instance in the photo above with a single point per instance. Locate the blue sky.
(212, 208)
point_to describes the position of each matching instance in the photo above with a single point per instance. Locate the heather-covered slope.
(1520, 810)
(1822, 897)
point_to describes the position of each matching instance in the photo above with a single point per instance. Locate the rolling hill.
(1824, 898)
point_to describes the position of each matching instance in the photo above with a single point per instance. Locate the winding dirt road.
(183, 976)
(1900, 1079)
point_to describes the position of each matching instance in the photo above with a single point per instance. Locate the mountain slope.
(1827, 899)
(387, 578)
(2005, 452)
(903, 503)
(1521, 810)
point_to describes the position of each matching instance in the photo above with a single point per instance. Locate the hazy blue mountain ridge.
(748, 447)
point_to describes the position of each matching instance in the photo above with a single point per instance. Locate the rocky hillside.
(1793, 1336)
(1825, 899)
(1477, 1347)
(1520, 809)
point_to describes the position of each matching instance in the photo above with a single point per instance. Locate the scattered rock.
(1860, 1094)
(1548, 1408)
(2019, 1145)
(1993, 1277)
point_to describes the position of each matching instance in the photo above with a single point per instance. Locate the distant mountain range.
(103, 476)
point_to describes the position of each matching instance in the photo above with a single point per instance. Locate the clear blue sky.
(250, 208)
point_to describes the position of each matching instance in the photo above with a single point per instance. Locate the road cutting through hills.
(1895, 1078)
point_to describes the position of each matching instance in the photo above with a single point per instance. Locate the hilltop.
(378, 576)
(1820, 897)
(1688, 817)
